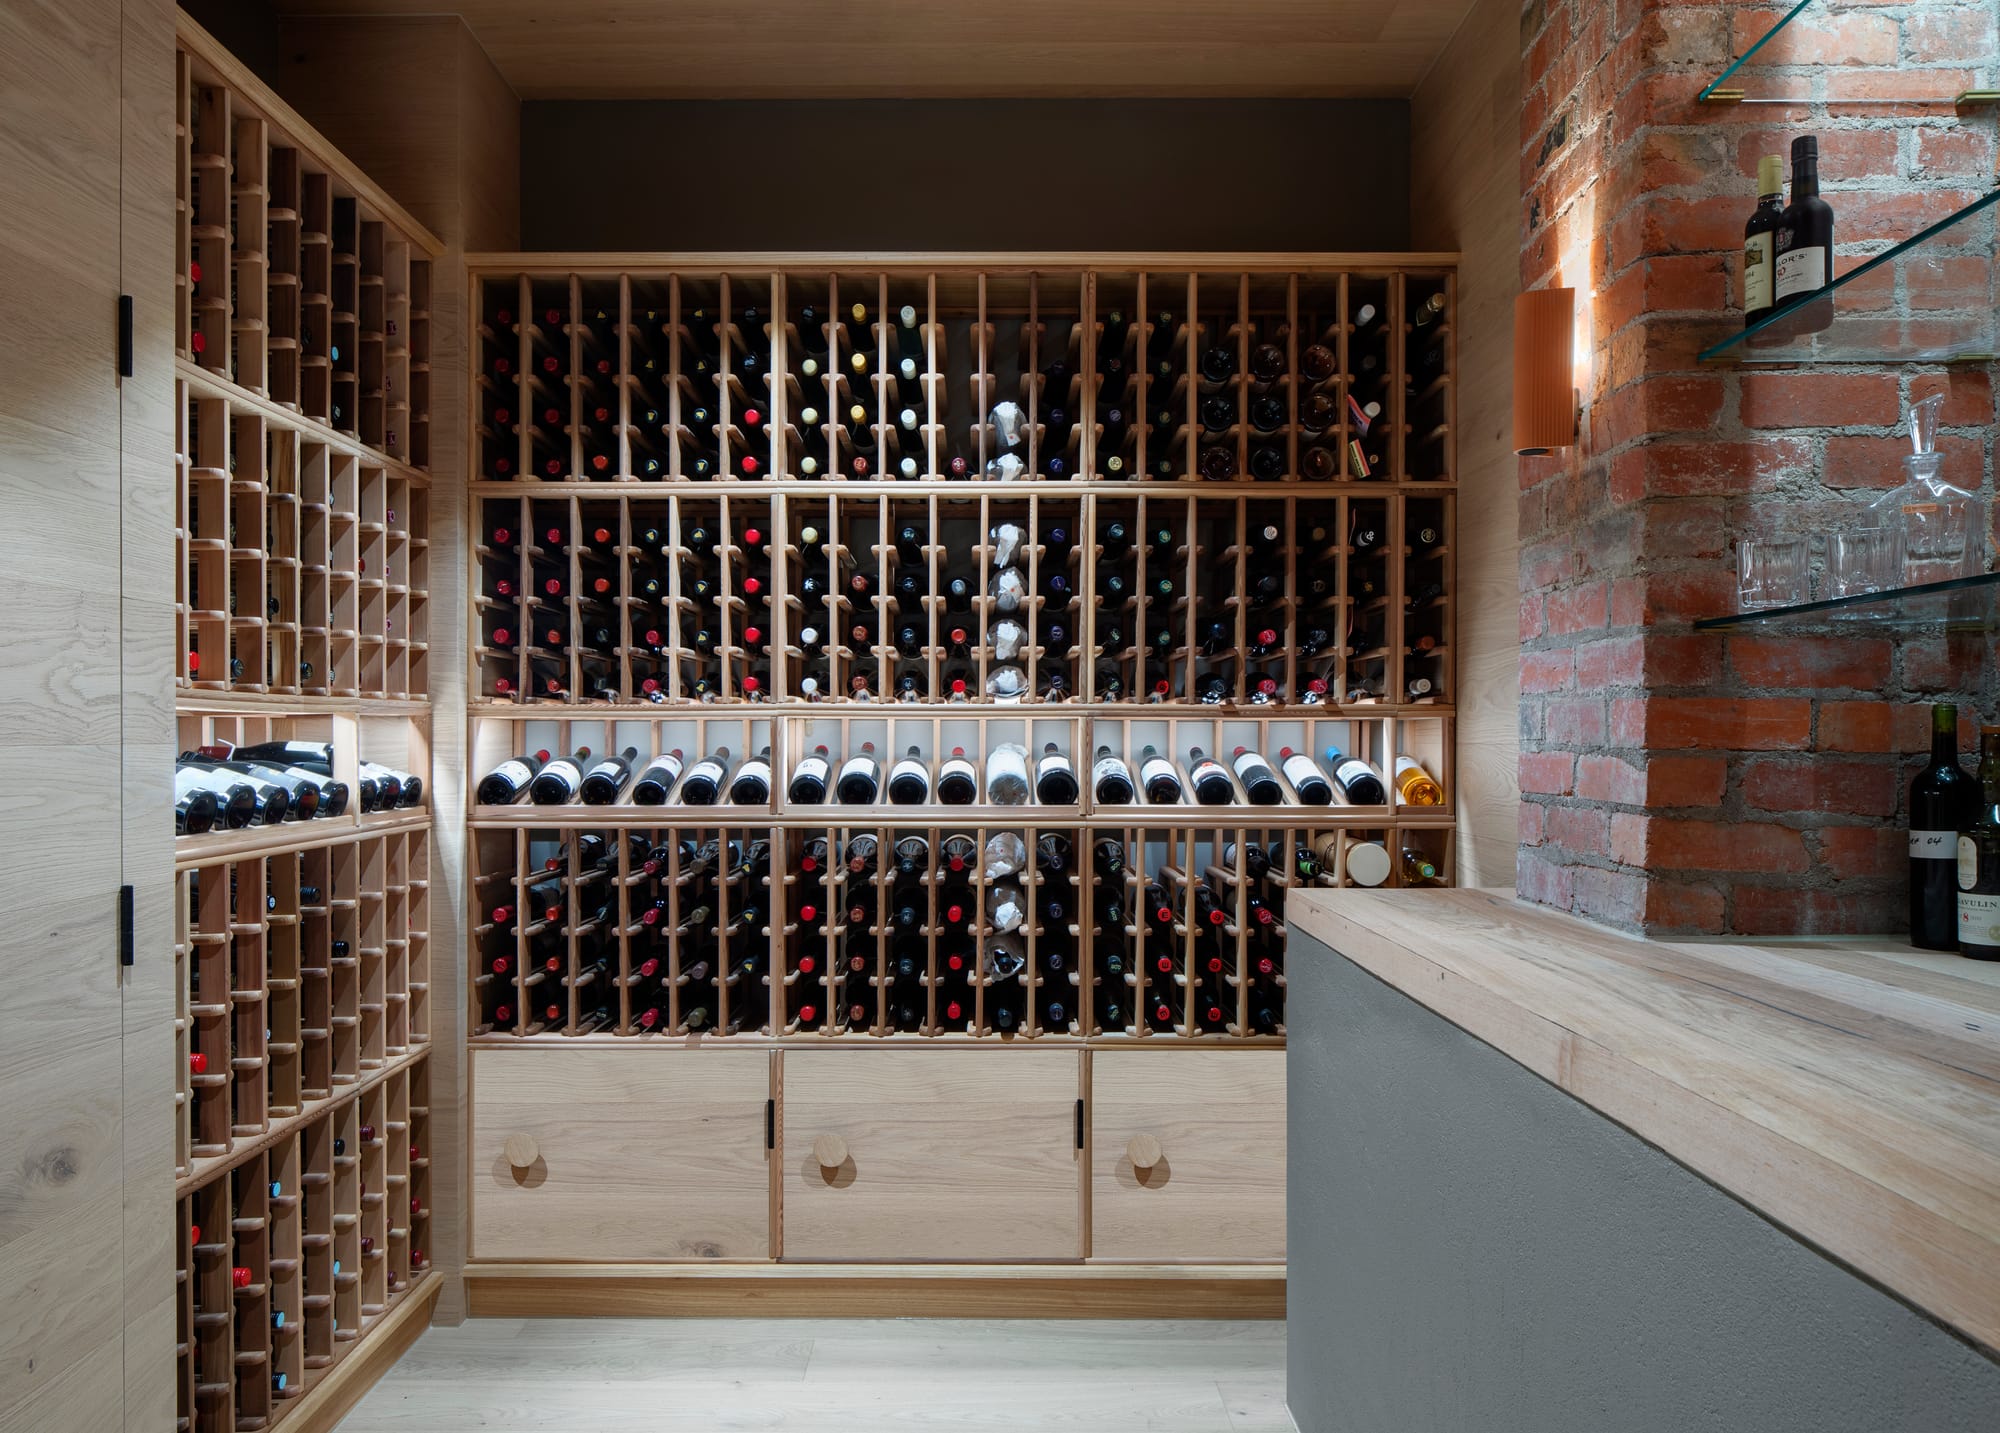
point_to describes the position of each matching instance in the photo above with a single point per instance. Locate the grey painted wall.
(1471, 1248)
(965, 174)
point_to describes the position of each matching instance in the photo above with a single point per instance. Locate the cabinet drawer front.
(1210, 1124)
(949, 1155)
(629, 1155)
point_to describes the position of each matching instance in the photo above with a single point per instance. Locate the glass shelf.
(1934, 298)
(1720, 91)
(1963, 603)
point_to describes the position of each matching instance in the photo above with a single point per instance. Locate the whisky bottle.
(1979, 860)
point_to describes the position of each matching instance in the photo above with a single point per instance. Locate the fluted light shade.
(1544, 374)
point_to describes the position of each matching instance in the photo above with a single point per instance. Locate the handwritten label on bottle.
(1933, 845)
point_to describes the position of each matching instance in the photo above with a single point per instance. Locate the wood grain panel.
(62, 1158)
(1850, 1098)
(1465, 194)
(951, 1154)
(1217, 1193)
(609, 49)
(643, 1154)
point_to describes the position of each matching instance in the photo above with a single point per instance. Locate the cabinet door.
(616, 1156)
(1207, 1128)
(940, 1155)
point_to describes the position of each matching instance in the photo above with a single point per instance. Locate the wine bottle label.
(1251, 767)
(1053, 761)
(1301, 770)
(1156, 769)
(1801, 271)
(858, 766)
(956, 766)
(909, 766)
(1933, 845)
(1353, 770)
(1108, 766)
(756, 769)
(810, 769)
(565, 771)
(1757, 277)
(1968, 864)
(516, 772)
(1979, 918)
(611, 769)
(707, 768)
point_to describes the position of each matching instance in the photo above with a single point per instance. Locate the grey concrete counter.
(1475, 1243)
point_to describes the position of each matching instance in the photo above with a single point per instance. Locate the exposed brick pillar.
(1749, 783)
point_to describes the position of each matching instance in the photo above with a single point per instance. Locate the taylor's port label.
(1978, 918)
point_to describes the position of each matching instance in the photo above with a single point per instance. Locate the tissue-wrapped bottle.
(1943, 526)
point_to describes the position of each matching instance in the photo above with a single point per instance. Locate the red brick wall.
(1750, 784)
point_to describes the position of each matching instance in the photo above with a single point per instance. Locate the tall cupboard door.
(68, 723)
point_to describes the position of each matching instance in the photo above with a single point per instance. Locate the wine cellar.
(1114, 716)
(791, 586)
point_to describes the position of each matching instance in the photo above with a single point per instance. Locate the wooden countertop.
(1849, 1090)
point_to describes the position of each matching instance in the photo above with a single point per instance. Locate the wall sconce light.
(1547, 408)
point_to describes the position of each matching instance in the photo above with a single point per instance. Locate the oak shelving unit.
(303, 964)
(613, 422)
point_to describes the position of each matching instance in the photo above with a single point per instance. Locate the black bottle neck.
(1805, 179)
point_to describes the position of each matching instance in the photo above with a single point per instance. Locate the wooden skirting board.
(330, 1400)
(1093, 1291)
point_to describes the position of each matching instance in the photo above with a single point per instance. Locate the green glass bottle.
(1979, 860)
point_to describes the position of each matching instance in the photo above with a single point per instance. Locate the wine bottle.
(510, 780)
(1416, 786)
(1942, 800)
(266, 802)
(1306, 777)
(1804, 239)
(1210, 782)
(752, 785)
(657, 779)
(1159, 778)
(702, 785)
(1354, 779)
(809, 777)
(1007, 775)
(1111, 779)
(1760, 238)
(910, 780)
(602, 783)
(1979, 859)
(958, 782)
(1260, 783)
(860, 778)
(558, 782)
(1055, 778)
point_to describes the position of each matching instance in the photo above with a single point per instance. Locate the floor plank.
(833, 1376)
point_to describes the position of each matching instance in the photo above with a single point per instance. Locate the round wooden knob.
(829, 1151)
(521, 1150)
(1144, 1151)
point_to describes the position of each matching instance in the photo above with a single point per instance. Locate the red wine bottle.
(510, 780)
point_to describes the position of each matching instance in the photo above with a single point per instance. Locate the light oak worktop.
(1849, 1090)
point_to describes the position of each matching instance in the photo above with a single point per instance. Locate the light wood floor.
(624, 1375)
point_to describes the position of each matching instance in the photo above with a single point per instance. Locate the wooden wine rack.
(313, 1240)
(302, 950)
(298, 280)
(608, 474)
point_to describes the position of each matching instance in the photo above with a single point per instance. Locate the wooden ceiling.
(945, 49)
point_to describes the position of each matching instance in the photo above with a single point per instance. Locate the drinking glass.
(1771, 572)
(1866, 559)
